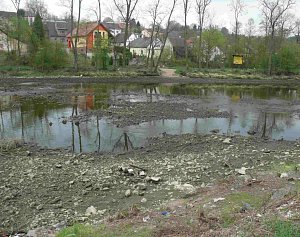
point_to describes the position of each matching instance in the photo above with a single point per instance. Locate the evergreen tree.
(37, 27)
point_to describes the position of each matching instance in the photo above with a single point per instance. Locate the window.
(97, 35)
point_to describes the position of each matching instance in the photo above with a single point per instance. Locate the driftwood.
(137, 167)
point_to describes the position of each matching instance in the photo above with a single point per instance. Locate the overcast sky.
(219, 10)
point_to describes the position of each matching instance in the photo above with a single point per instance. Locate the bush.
(287, 60)
(51, 55)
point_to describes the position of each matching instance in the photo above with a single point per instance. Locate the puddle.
(39, 120)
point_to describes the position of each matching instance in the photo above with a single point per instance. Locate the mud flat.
(49, 187)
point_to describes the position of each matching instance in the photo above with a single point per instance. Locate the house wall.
(139, 51)
(168, 50)
(144, 51)
(89, 40)
(10, 44)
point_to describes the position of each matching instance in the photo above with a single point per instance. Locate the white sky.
(220, 13)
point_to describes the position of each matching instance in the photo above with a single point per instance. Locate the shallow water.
(40, 121)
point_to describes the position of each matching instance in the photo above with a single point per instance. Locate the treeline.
(272, 46)
(33, 48)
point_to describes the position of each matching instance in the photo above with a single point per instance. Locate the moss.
(281, 228)
(285, 168)
(79, 230)
(234, 203)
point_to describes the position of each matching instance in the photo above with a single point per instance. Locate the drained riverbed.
(74, 119)
(168, 135)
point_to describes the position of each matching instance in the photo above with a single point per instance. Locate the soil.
(65, 81)
(54, 188)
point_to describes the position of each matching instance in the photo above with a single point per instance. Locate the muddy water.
(261, 111)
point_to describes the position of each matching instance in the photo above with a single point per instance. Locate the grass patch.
(284, 229)
(79, 230)
(285, 168)
(10, 144)
(234, 203)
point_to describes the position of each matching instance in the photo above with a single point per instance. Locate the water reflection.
(44, 121)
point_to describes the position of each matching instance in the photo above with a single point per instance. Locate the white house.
(142, 47)
(119, 39)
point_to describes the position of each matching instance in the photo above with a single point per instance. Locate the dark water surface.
(275, 116)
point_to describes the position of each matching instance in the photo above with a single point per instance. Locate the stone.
(218, 199)
(131, 172)
(59, 166)
(284, 175)
(187, 188)
(155, 180)
(64, 121)
(128, 193)
(281, 193)
(144, 200)
(40, 207)
(142, 186)
(28, 153)
(55, 200)
(142, 174)
(241, 171)
(91, 211)
(246, 207)
(227, 141)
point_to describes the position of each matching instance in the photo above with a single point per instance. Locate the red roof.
(85, 29)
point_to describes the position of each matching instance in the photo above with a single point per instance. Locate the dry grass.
(10, 144)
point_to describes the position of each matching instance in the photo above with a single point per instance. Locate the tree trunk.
(186, 34)
(76, 38)
(166, 36)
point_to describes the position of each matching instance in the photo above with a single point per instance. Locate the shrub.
(51, 55)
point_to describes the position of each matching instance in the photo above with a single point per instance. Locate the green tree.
(37, 27)
(100, 54)
(51, 55)
(213, 44)
(287, 60)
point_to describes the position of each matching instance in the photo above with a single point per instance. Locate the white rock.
(155, 179)
(91, 211)
(130, 171)
(188, 188)
(218, 199)
(144, 200)
(128, 193)
(146, 218)
(284, 175)
(241, 171)
(227, 141)
(142, 173)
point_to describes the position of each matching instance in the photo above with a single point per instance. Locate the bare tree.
(297, 30)
(36, 6)
(16, 4)
(69, 4)
(272, 11)
(166, 34)
(76, 36)
(285, 25)
(250, 28)
(201, 8)
(186, 10)
(97, 12)
(154, 14)
(126, 9)
(237, 7)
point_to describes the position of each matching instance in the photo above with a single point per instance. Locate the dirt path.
(167, 72)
